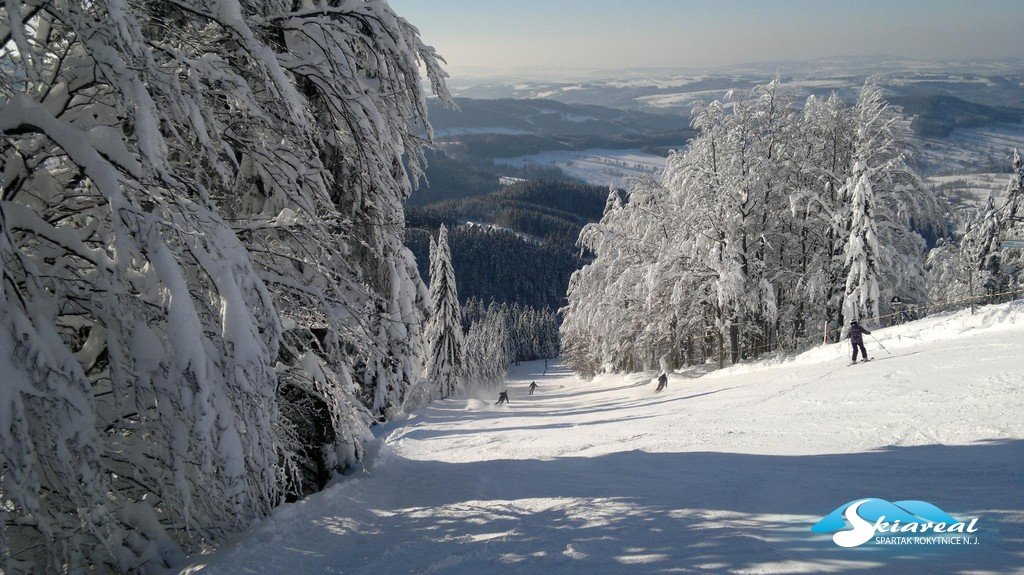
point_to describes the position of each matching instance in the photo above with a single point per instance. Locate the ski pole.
(880, 344)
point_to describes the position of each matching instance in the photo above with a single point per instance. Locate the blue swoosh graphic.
(927, 511)
(905, 511)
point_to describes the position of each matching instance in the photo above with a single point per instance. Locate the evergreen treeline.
(513, 145)
(550, 117)
(469, 349)
(460, 176)
(553, 210)
(531, 265)
(532, 333)
(500, 265)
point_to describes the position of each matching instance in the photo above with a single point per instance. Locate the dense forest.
(939, 115)
(451, 176)
(521, 247)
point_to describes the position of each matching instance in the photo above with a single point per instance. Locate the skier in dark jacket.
(856, 335)
(662, 382)
(533, 387)
(502, 398)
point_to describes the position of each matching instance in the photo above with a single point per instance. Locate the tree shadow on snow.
(638, 512)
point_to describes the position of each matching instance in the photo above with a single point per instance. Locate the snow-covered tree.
(993, 268)
(204, 291)
(488, 350)
(1011, 217)
(1012, 210)
(981, 243)
(745, 244)
(531, 333)
(445, 358)
(949, 272)
(862, 251)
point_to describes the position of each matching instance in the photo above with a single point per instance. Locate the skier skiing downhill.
(662, 382)
(502, 397)
(856, 335)
(533, 387)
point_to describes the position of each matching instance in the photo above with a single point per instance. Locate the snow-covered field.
(967, 150)
(596, 166)
(724, 472)
(970, 191)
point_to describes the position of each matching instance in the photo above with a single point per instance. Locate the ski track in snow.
(720, 473)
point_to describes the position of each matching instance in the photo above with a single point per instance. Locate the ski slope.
(725, 472)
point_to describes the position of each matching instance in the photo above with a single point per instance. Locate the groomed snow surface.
(724, 472)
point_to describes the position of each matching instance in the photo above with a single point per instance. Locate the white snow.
(489, 226)
(724, 472)
(596, 166)
(966, 150)
(970, 191)
(682, 98)
(448, 132)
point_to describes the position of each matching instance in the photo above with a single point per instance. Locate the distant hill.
(520, 247)
(468, 140)
(547, 118)
(549, 210)
(451, 175)
(936, 116)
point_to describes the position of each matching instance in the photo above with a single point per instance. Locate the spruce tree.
(1011, 219)
(982, 246)
(445, 361)
(862, 251)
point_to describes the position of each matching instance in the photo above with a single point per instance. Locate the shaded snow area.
(723, 472)
(598, 167)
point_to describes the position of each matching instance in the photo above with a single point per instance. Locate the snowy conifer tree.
(1011, 217)
(488, 350)
(861, 300)
(445, 359)
(1012, 210)
(981, 243)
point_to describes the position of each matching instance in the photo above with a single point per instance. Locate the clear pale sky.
(520, 35)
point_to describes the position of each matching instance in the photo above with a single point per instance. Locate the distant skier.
(856, 335)
(545, 367)
(533, 387)
(662, 382)
(502, 398)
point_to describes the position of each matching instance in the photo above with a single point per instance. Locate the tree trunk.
(734, 342)
(721, 350)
